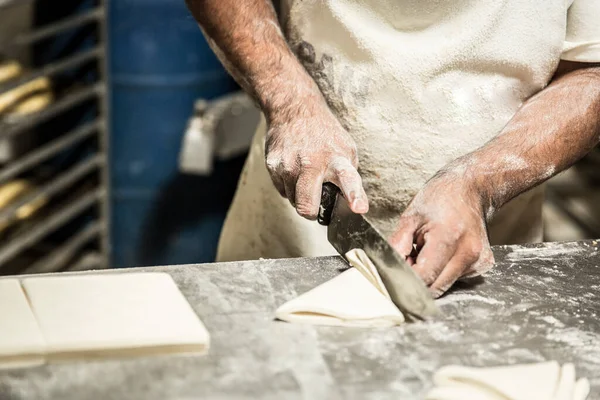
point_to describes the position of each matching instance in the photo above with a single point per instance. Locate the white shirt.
(418, 83)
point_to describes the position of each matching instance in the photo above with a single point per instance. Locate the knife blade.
(347, 230)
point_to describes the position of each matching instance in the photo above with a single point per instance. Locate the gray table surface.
(539, 303)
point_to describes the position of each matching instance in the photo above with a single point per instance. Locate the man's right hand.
(306, 147)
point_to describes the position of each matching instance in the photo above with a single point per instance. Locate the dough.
(356, 297)
(21, 341)
(114, 315)
(361, 261)
(542, 381)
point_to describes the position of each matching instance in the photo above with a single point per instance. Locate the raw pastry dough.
(356, 297)
(542, 381)
(91, 316)
(21, 341)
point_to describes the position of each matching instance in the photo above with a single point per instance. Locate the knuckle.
(406, 224)
(273, 162)
(344, 170)
(472, 252)
(444, 242)
(443, 234)
(454, 233)
(284, 167)
(306, 161)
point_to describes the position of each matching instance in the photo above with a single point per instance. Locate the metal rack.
(67, 161)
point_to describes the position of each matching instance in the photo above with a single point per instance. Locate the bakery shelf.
(14, 126)
(49, 150)
(50, 30)
(55, 68)
(54, 186)
(58, 150)
(59, 258)
(49, 224)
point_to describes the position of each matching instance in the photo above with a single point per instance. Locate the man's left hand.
(446, 223)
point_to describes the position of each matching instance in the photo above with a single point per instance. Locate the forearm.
(247, 38)
(548, 134)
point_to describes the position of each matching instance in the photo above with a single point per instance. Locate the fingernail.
(360, 206)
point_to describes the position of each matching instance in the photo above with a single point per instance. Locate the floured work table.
(539, 303)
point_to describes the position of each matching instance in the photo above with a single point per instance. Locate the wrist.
(288, 95)
(295, 106)
(475, 186)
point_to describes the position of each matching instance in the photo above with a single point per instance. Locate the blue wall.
(159, 65)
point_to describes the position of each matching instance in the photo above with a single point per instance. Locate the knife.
(347, 230)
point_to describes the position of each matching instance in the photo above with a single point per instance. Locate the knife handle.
(328, 196)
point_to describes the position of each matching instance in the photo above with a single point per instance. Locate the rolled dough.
(21, 341)
(541, 381)
(93, 316)
(356, 297)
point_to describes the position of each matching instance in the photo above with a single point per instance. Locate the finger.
(434, 256)
(448, 276)
(308, 193)
(342, 173)
(467, 255)
(481, 266)
(402, 240)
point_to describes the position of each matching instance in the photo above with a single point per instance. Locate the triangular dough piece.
(21, 341)
(349, 299)
(361, 261)
(114, 315)
(515, 382)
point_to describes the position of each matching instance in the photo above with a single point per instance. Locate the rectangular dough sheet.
(21, 341)
(115, 315)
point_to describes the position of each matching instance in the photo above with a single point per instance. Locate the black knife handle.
(328, 195)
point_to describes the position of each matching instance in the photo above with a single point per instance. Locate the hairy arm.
(552, 131)
(446, 220)
(248, 40)
(305, 145)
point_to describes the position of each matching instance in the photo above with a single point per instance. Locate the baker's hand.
(306, 148)
(446, 222)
